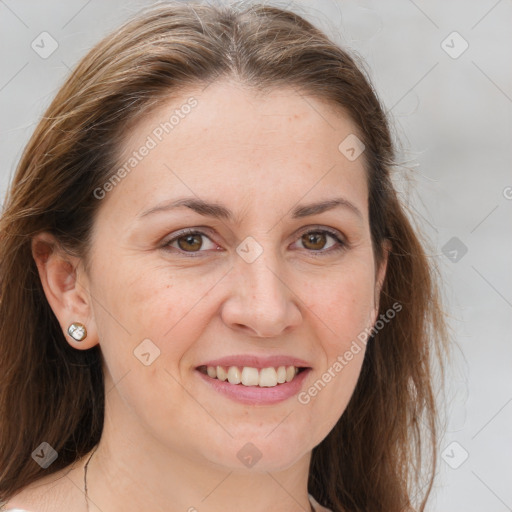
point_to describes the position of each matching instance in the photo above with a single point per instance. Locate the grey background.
(453, 117)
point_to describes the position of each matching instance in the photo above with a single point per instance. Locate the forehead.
(228, 140)
(226, 112)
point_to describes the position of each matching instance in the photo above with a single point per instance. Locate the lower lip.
(254, 395)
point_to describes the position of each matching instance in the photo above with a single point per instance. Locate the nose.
(261, 302)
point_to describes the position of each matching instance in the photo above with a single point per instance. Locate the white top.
(316, 506)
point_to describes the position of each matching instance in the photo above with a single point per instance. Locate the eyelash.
(340, 244)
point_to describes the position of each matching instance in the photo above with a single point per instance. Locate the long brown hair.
(373, 458)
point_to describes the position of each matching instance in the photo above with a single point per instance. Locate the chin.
(258, 455)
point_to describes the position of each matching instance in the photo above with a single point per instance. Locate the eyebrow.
(216, 210)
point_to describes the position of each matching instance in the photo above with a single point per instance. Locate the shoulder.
(13, 510)
(52, 493)
(317, 506)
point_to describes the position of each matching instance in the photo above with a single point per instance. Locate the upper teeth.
(248, 376)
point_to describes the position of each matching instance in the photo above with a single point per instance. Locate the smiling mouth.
(249, 376)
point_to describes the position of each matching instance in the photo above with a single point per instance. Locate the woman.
(211, 296)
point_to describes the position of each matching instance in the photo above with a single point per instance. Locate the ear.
(65, 285)
(380, 275)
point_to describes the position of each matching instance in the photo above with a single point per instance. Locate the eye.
(317, 241)
(188, 241)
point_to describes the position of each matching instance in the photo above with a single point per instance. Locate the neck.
(132, 471)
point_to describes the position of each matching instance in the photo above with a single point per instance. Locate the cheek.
(155, 302)
(343, 304)
(146, 321)
(341, 308)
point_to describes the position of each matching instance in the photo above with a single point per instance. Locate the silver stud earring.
(77, 331)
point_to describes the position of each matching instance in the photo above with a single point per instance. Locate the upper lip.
(255, 361)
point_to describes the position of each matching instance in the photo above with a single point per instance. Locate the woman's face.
(263, 275)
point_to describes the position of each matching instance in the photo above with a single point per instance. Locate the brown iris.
(317, 240)
(192, 242)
